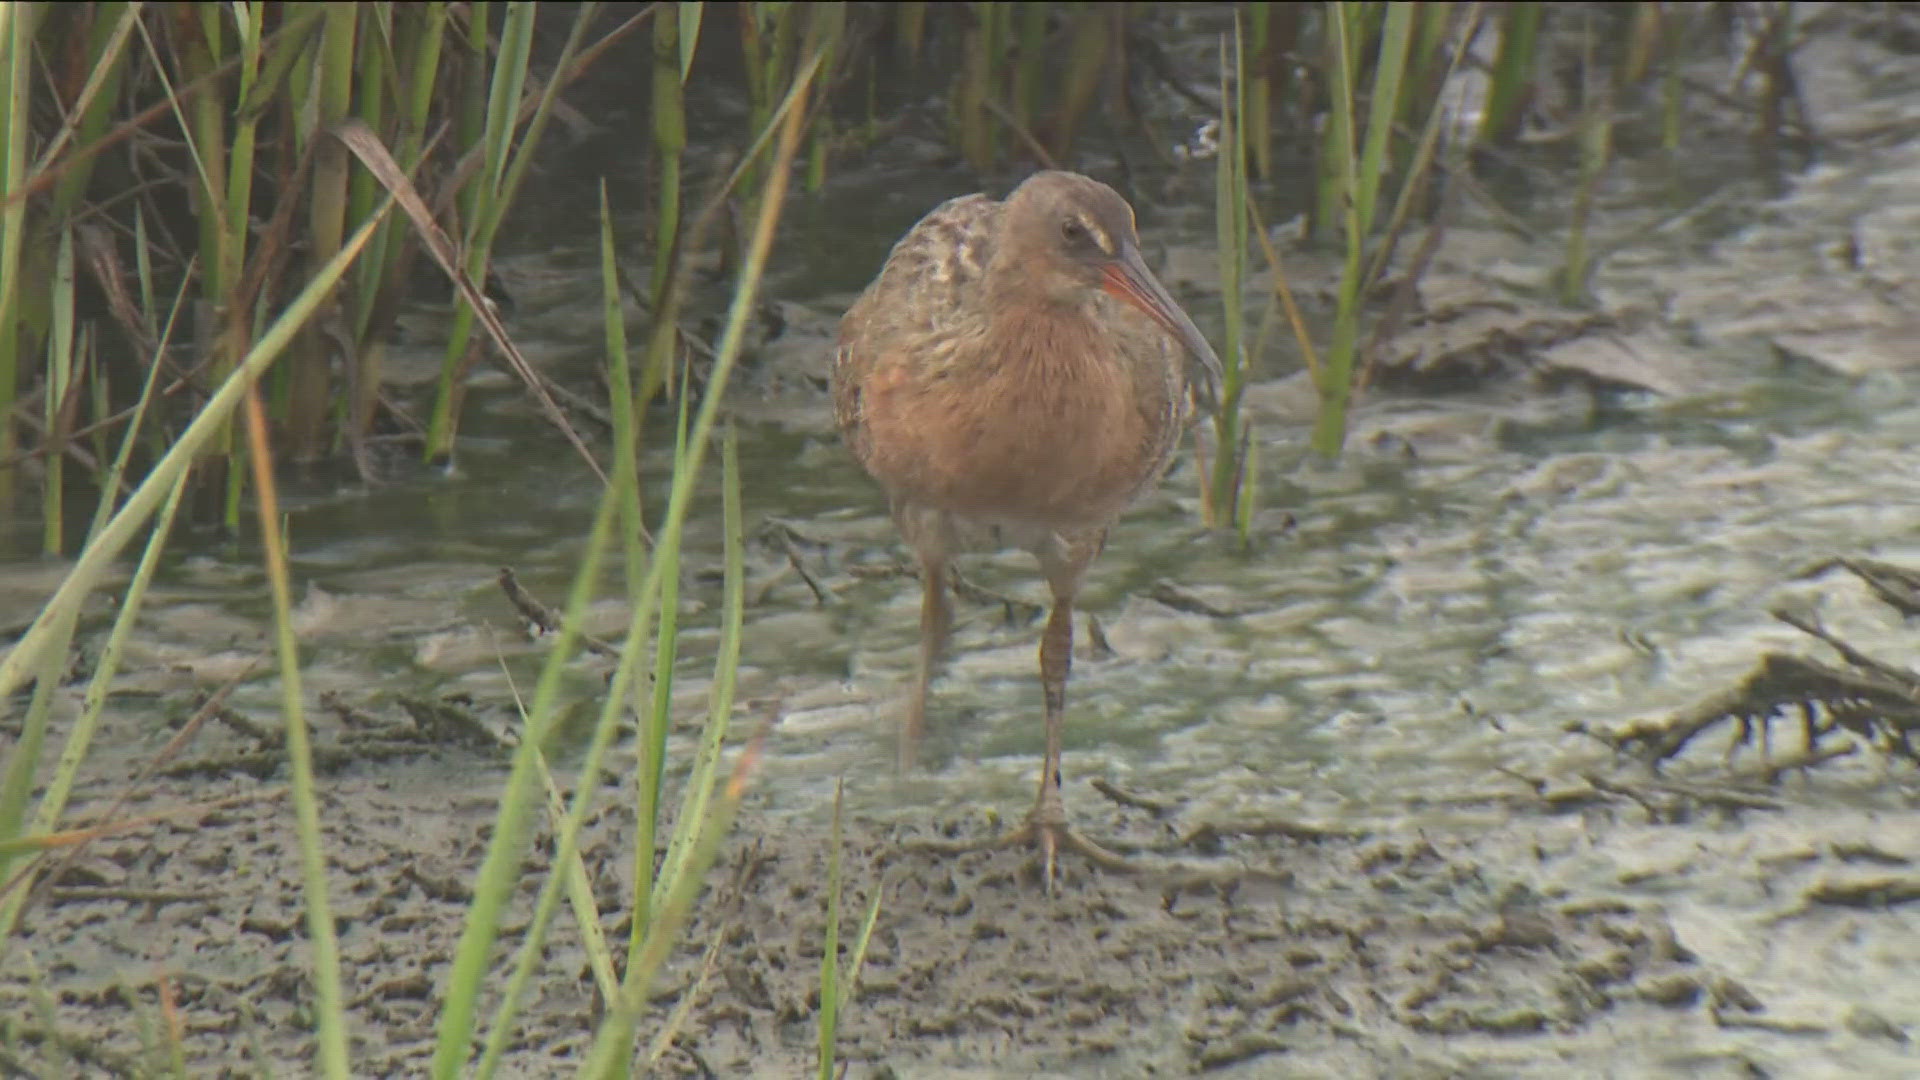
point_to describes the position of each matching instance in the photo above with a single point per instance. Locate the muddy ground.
(1416, 952)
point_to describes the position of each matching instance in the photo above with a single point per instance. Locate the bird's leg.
(1047, 822)
(936, 620)
(1064, 561)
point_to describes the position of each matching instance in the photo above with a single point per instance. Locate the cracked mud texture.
(1369, 956)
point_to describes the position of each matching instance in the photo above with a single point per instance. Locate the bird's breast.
(1048, 421)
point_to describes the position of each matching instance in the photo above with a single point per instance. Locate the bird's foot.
(1046, 826)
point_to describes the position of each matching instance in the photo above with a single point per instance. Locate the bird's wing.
(935, 270)
(926, 286)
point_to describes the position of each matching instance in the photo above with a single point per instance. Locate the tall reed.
(309, 404)
(329, 1004)
(1512, 75)
(697, 834)
(414, 37)
(17, 23)
(1359, 152)
(837, 985)
(673, 41)
(60, 397)
(975, 128)
(1232, 221)
(673, 897)
(485, 203)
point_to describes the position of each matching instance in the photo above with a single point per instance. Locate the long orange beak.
(1128, 278)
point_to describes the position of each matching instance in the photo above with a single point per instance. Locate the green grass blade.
(1512, 70)
(1389, 69)
(568, 869)
(1424, 151)
(830, 943)
(500, 866)
(726, 664)
(858, 960)
(528, 147)
(93, 107)
(586, 911)
(16, 120)
(143, 266)
(689, 35)
(503, 104)
(623, 406)
(17, 783)
(656, 713)
(669, 143)
(59, 384)
(1336, 374)
(54, 802)
(329, 1005)
(491, 195)
(614, 1042)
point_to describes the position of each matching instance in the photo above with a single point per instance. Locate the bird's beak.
(1128, 278)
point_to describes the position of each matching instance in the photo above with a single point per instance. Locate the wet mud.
(1240, 947)
(1616, 921)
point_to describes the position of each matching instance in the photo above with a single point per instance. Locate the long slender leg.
(1064, 560)
(936, 620)
(1056, 662)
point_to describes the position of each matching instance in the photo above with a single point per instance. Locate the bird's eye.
(1072, 231)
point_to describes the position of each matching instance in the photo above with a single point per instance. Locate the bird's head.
(1068, 235)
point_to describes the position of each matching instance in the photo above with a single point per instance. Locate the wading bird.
(1016, 377)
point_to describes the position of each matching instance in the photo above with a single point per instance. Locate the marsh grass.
(1225, 489)
(40, 655)
(837, 986)
(234, 104)
(234, 100)
(1515, 61)
(711, 795)
(329, 1006)
(250, 91)
(1368, 162)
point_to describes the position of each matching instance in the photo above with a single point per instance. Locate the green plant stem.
(498, 872)
(829, 1022)
(17, 25)
(329, 1005)
(60, 383)
(1512, 70)
(669, 143)
(656, 715)
(1231, 224)
(614, 1042)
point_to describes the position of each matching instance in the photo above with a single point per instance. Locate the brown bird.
(1016, 377)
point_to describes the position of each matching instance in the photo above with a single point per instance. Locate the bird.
(1016, 377)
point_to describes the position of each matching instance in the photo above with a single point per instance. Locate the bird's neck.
(1015, 296)
(1035, 336)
